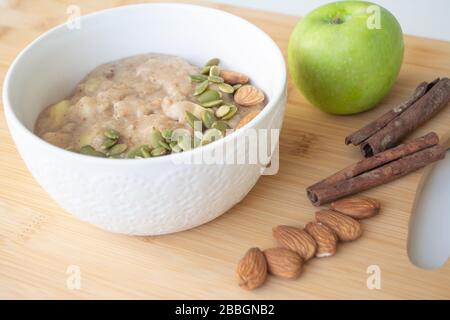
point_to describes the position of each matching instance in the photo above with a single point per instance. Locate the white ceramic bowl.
(151, 196)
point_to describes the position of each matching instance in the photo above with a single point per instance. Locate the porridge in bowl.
(150, 105)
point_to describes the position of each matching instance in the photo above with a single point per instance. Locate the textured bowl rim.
(278, 95)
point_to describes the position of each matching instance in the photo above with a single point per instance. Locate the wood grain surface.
(39, 242)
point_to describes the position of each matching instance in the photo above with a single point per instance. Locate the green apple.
(345, 56)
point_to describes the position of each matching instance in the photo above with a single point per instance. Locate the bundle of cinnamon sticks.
(386, 160)
(390, 129)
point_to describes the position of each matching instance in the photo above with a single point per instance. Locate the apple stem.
(337, 20)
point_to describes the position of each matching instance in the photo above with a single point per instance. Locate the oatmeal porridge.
(150, 105)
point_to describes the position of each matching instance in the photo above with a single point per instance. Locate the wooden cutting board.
(40, 243)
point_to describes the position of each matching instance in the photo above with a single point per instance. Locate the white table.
(429, 238)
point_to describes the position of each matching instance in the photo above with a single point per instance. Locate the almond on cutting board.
(295, 239)
(233, 77)
(252, 269)
(325, 238)
(357, 207)
(345, 227)
(283, 263)
(248, 96)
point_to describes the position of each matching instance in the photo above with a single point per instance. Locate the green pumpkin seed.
(108, 143)
(159, 151)
(215, 79)
(145, 151)
(191, 119)
(139, 152)
(165, 145)
(90, 151)
(112, 134)
(214, 71)
(211, 135)
(167, 134)
(226, 88)
(208, 118)
(205, 70)
(208, 95)
(198, 77)
(237, 86)
(98, 154)
(213, 62)
(231, 113)
(197, 138)
(175, 147)
(134, 153)
(155, 138)
(213, 103)
(117, 149)
(185, 142)
(222, 111)
(72, 149)
(222, 126)
(201, 87)
(86, 148)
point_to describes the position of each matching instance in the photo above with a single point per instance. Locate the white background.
(429, 233)
(426, 18)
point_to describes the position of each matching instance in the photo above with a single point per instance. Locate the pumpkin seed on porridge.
(150, 105)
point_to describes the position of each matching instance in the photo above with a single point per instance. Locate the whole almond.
(248, 95)
(283, 263)
(345, 227)
(325, 238)
(252, 269)
(233, 77)
(295, 239)
(247, 118)
(357, 207)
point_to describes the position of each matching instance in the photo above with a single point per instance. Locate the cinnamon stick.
(388, 130)
(380, 169)
(365, 132)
